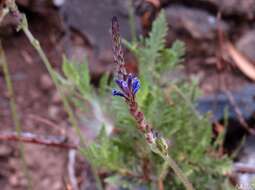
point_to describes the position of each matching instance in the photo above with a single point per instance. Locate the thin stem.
(162, 175)
(178, 171)
(131, 19)
(23, 25)
(156, 143)
(25, 137)
(14, 113)
(35, 43)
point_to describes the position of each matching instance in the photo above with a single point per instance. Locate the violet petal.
(117, 93)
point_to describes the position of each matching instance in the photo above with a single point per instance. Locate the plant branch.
(14, 113)
(178, 171)
(26, 137)
(129, 85)
(35, 43)
(162, 175)
(23, 25)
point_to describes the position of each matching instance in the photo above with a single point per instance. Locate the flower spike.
(128, 87)
(118, 55)
(135, 86)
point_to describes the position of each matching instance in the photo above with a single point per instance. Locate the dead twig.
(245, 66)
(241, 168)
(37, 139)
(238, 112)
(47, 122)
(242, 63)
(42, 120)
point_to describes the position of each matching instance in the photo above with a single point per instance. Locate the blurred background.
(219, 36)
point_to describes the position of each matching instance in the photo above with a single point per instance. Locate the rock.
(43, 7)
(246, 45)
(23, 2)
(53, 112)
(5, 150)
(220, 106)
(244, 9)
(235, 7)
(58, 3)
(78, 52)
(46, 82)
(89, 25)
(93, 19)
(18, 179)
(246, 160)
(218, 103)
(13, 180)
(34, 94)
(56, 99)
(198, 23)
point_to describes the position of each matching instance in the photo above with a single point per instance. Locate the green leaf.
(104, 153)
(156, 40)
(103, 84)
(70, 71)
(150, 53)
(84, 82)
(179, 48)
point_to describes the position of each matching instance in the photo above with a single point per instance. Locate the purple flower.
(128, 87)
(117, 93)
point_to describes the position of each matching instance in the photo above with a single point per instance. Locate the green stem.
(14, 113)
(164, 170)
(177, 171)
(35, 43)
(131, 19)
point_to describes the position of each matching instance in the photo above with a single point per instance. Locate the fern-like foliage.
(156, 41)
(102, 150)
(169, 108)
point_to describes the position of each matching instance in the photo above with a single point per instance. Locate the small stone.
(235, 7)
(58, 3)
(23, 181)
(57, 185)
(46, 182)
(5, 150)
(53, 112)
(198, 23)
(13, 163)
(56, 99)
(20, 99)
(34, 94)
(46, 82)
(13, 180)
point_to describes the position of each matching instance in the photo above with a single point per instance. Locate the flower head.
(128, 88)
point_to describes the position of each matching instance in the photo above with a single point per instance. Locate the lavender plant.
(129, 86)
(127, 154)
